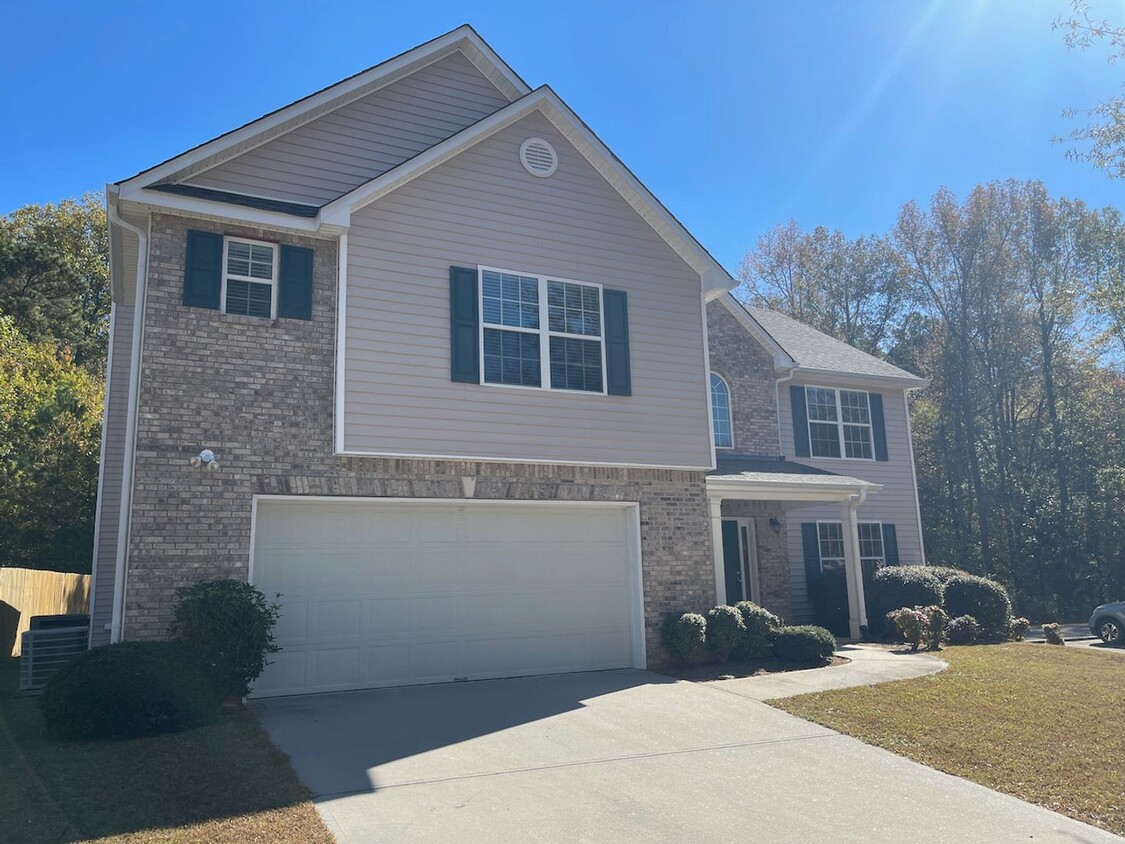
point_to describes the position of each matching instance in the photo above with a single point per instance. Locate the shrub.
(126, 691)
(761, 628)
(804, 643)
(228, 626)
(963, 630)
(685, 636)
(724, 631)
(936, 623)
(911, 623)
(895, 587)
(1019, 628)
(944, 573)
(983, 599)
(1054, 634)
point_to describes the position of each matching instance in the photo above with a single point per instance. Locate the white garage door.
(386, 593)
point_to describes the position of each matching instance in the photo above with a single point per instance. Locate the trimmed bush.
(936, 623)
(228, 627)
(963, 630)
(724, 631)
(127, 691)
(983, 599)
(1019, 629)
(685, 636)
(896, 587)
(761, 628)
(805, 643)
(944, 573)
(911, 624)
(1054, 634)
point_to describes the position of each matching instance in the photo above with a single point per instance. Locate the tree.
(50, 431)
(1102, 141)
(54, 276)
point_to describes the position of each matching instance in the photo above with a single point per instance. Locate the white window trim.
(839, 423)
(730, 409)
(843, 560)
(272, 281)
(544, 331)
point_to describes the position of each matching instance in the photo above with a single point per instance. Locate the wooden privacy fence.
(28, 592)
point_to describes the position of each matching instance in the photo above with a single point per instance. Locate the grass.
(221, 783)
(1038, 722)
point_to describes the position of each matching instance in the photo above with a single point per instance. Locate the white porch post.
(857, 604)
(716, 504)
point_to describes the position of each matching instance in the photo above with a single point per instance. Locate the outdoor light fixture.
(205, 460)
(775, 525)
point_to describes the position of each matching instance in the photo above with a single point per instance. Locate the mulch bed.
(751, 668)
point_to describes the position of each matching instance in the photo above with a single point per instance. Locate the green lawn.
(221, 783)
(1039, 722)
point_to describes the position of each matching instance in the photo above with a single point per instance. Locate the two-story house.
(419, 354)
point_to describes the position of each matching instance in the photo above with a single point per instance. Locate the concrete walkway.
(868, 666)
(621, 756)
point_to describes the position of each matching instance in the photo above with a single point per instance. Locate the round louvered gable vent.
(538, 157)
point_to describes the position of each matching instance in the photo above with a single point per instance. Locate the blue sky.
(738, 115)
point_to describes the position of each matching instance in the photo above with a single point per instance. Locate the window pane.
(857, 441)
(871, 541)
(508, 299)
(511, 357)
(821, 403)
(573, 308)
(238, 258)
(576, 364)
(831, 536)
(720, 412)
(261, 261)
(824, 439)
(249, 299)
(853, 406)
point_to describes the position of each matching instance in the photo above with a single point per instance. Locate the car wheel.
(1110, 631)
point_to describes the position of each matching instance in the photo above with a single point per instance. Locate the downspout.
(115, 629)
(789, 373)
(914, 472)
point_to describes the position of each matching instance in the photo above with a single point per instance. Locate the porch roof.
(778, 479)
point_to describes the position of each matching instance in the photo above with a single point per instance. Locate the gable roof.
(801, 347)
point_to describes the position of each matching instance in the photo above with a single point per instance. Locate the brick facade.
(748, 370)
(772, 552)
(260, 394)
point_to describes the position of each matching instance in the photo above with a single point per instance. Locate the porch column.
(716, 505)
(857, 604)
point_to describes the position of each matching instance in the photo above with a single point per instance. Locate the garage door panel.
(391, 593)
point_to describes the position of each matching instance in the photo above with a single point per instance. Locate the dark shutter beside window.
(800, 424)
(619, 379)
(464, 326)
(890, 545)
(203, 269)
(810, 542)
(878, 425)
(295, 283)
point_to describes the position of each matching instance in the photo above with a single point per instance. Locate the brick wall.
(260, 394)
(748, 370)
(772, 552)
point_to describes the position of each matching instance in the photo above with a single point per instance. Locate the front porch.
(750, 499)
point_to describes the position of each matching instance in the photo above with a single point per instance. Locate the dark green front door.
(732, 561)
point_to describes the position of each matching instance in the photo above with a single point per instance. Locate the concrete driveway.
(620, 756)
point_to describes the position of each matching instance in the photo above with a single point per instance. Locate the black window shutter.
(878, 425)
(464, 326)
(810, 541)
(203, 269)
(800, 422)
(890, 545)
(619, 379)
(295, 283)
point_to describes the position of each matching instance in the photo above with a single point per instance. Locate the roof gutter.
(131, 417)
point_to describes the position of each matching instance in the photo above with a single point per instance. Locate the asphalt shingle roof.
(777, 470)
(812, 349)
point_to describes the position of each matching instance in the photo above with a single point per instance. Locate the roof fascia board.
(903, 382)
(212, 210)
(542, 99)
(781, 358)
(787, 491)
(316, 105)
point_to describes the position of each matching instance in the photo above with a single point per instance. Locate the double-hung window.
(542, 332)
(249, 278)
(839, 423)
(831, 544)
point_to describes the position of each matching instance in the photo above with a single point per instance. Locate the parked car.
(1108, 622)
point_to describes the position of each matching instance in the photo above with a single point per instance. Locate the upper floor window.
(720, 412)
(541, 332)
(831, 544)
(249, 278)
(839, 423)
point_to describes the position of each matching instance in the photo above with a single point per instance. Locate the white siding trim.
(707, 370)
(521, 460)
(914, 475)
(341, 342)
(101, 476)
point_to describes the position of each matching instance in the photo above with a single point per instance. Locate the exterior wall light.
(205, 460)
(775, 525)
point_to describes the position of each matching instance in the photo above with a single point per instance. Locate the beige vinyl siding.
(112, 459)
(895, 503)
(483, 208)
(333, 154)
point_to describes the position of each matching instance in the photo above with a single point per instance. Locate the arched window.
(720, 412)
